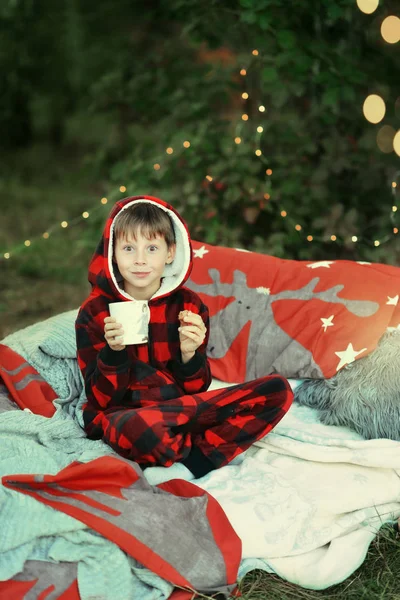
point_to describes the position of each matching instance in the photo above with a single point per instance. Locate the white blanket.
(308, 499)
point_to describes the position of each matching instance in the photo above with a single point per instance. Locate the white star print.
(393, 300)
(347, 356)
(327, 322)
(322, 263)
(200, 252)
(362, 262)
(263, 290)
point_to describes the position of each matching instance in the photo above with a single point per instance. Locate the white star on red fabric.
(327, 322)
(263, 290)
(200, 252)
(347, 356)
(393, 300)
(322, 263)
(362, 262)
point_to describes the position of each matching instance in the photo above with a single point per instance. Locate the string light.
(374, 109)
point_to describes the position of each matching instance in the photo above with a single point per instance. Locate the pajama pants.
(204, 431)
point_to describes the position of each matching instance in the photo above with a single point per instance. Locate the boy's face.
(141, 263)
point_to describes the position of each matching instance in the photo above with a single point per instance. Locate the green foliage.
(169, 72)
(316, 64)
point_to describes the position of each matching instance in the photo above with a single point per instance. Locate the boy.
(149, 401)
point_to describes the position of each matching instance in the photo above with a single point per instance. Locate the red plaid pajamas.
(150, 407)
(220, 423)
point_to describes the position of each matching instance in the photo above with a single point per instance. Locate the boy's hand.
(192, 332)
(113, 333)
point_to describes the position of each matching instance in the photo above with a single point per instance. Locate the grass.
(40, 188)
(376, 579)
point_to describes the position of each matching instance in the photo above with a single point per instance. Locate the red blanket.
(24, 384)
(175, 529)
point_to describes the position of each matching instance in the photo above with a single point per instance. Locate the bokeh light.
(368, 6)
(390, 29)
(384, 138)
(396, 143)
(374, 108)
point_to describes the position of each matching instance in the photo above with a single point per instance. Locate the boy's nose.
(140, 257)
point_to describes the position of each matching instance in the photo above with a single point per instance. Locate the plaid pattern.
(219, 423)
(149, 406)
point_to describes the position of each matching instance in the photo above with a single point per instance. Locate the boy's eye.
(128, 248)
(153, 248)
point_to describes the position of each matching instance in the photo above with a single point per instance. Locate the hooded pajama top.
(143, 401)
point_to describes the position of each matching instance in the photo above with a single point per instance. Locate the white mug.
(134, 317)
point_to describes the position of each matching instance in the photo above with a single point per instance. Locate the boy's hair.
(150, 220)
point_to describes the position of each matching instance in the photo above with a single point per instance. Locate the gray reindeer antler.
(360, 308)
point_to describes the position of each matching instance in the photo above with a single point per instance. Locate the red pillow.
(297, 318)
